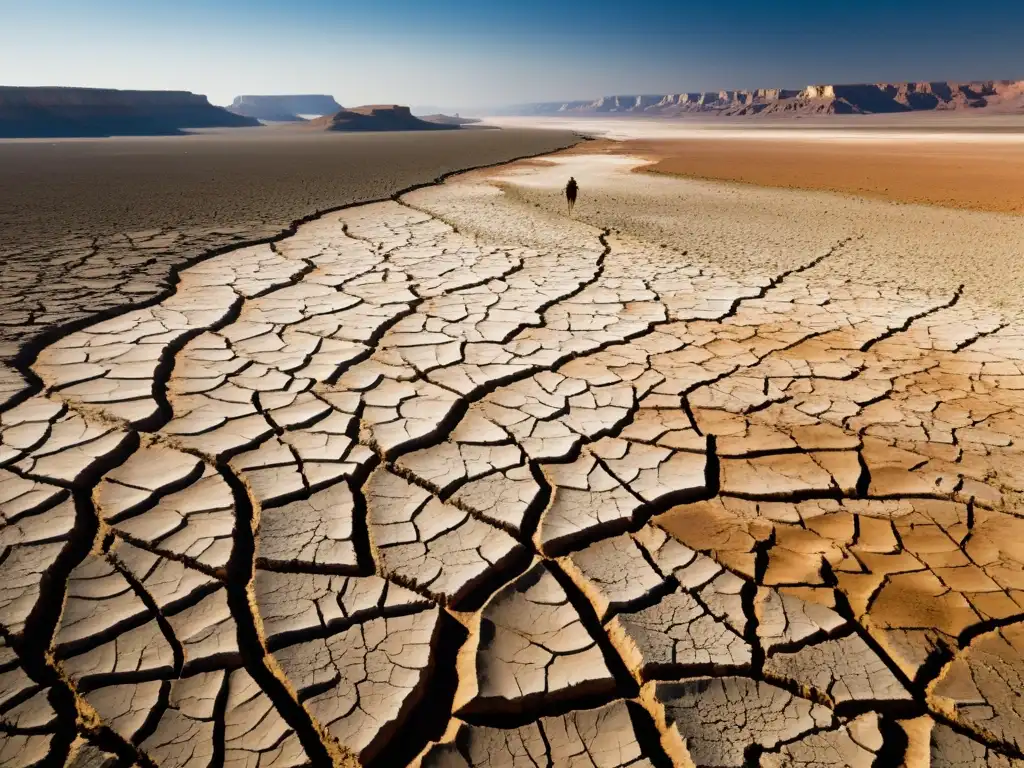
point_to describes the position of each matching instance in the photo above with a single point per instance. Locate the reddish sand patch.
(961, 175)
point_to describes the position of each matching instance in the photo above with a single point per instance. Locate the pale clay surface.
(458, 481)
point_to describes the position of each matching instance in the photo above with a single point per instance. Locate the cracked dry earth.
(391, 492)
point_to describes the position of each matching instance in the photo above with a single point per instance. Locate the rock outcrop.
(377, 117)
(865, 98)
(286, 108)
(76, 112)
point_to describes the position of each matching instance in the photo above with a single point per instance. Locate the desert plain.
(720, 471)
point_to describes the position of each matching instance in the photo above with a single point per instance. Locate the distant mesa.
(997, 96)
(285, 108)
(52, 112)
(377, 117)
(449, 119)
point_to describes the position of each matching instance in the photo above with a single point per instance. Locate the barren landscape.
(955, 162)
(983, 176)
(710, 474)
(89, 226)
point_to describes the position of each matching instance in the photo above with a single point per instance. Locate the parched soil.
(456, 480)
(963, 175)
(89, 225)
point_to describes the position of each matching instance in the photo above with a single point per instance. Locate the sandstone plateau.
(287, 108)
(866, 98)
(71, 112)
(377, 117)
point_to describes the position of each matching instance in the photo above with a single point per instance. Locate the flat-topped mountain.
(864, 98)
(377, 117)
(284, 108)
(52, 112)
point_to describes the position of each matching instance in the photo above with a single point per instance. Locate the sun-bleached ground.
(982, 176)
(956, 161)
(742, 227)
(707, 475)
(945, 126)
(89, 225)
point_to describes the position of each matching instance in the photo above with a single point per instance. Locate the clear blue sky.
(463, 53)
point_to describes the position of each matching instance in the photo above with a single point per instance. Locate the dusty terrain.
(978, 176)
(953, 160)
(89, 226)
(702, 477)
(742, 227)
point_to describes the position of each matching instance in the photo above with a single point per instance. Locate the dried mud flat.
(987, 177)
(453, 480)
(88, 226)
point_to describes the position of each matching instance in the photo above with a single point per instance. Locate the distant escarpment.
(85, 112)
(288, 108)
(377, 117)
(1003, 96)
(449, 119)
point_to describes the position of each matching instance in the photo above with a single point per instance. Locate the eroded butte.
(453, 481)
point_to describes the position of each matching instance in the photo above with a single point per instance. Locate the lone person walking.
(570, 193)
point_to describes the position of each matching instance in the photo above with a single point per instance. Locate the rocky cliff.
(377, 117)
(76, 112)
(866, 98)
(287, 108)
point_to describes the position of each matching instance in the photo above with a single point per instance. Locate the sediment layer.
(123, 215)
